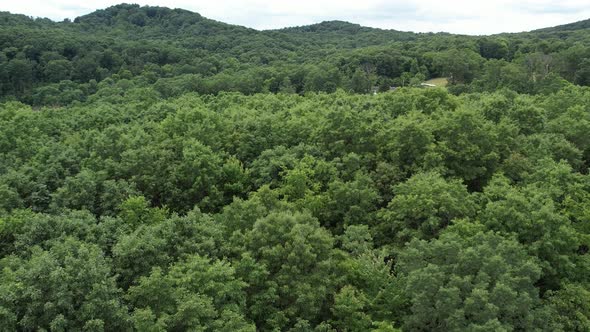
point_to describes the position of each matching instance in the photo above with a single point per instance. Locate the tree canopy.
(160, 171)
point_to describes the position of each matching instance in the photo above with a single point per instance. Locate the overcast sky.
(456, 16)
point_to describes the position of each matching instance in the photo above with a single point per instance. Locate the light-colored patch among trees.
(439, 81)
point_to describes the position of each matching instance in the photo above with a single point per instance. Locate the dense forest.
(177, 51)
(160, 171)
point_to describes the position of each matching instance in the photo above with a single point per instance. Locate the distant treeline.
(176, 51)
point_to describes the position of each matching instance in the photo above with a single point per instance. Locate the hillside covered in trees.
(160, 171)
(177, 51)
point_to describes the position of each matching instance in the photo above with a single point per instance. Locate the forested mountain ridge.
(160, 171)
(176, 51)
(580, 25)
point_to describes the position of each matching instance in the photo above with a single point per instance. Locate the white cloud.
(457, 16)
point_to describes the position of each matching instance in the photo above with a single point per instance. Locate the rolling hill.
(188, 52)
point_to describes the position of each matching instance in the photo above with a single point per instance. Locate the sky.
(473, 17)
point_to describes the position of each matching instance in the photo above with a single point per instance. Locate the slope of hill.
(580, 25)
(43, 61)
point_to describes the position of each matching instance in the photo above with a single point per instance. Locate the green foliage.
(531, 216)
(59, 63)
(195, 294)
(68, 287)
(288, 263)
(160, 171)
(422, 207)
(461, 66)
(470, 280)
(572, 309)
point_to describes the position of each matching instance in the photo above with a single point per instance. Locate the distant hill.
(155, 22)
(329, 26)
(156, 19)
(580, 25)
(176, 51)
